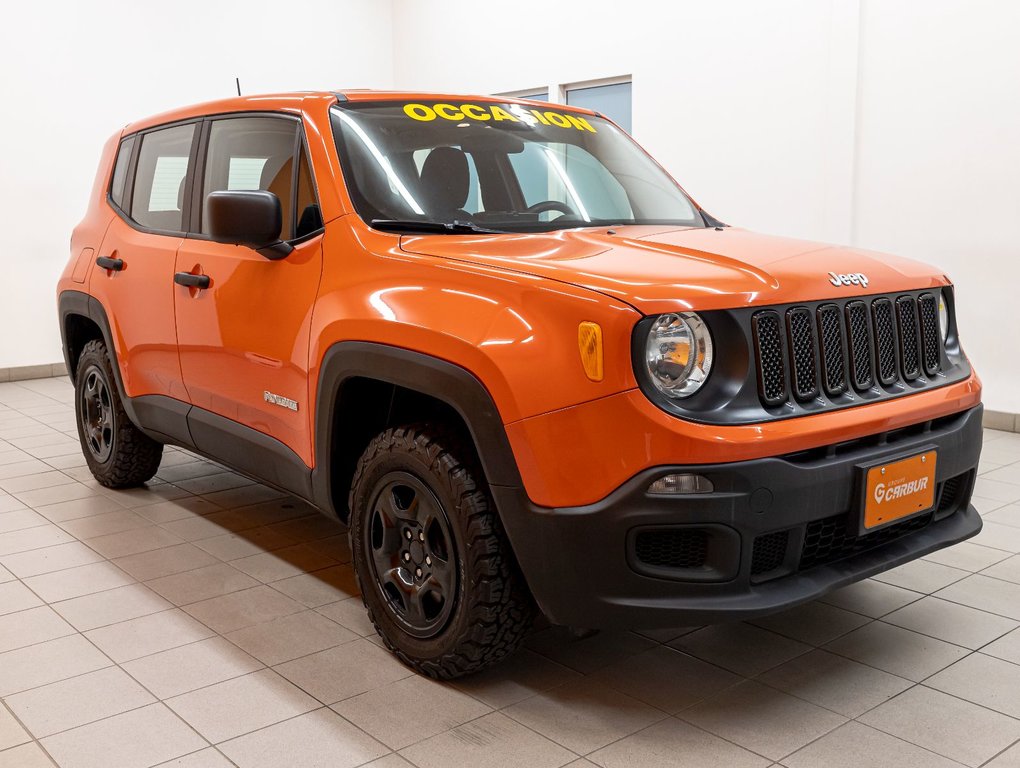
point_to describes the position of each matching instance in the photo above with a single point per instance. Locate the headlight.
(943, 316)
(678, 354)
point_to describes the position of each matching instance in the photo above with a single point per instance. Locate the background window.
(613, 101)
(120, 171)
(158, 197)
(253, 153)
(245, 172)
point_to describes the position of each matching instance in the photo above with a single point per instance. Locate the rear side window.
(253, 153)
(157, 200)
(120, 171)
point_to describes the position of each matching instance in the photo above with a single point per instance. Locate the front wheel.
(437, 574)
(117, 452)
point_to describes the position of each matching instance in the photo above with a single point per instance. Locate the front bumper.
(774, 533)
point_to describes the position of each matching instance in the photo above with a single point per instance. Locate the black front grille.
(805, 350)
(843, 350)
(677, 548)
(769, 552)
(928, 312)
(906, 319)
(768, 344)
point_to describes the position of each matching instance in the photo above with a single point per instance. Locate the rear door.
(244, 340)
(139, 252)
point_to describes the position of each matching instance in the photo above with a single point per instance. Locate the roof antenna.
(238, 81)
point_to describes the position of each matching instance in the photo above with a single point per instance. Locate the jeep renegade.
(524, 367)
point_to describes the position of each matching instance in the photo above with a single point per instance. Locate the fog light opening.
(679, 484)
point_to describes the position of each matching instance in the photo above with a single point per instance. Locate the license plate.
(899, 489)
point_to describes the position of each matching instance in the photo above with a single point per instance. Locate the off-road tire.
(493, 609)
(133, 456)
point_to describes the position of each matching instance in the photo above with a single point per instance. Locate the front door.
(244, 340)
(139, 252)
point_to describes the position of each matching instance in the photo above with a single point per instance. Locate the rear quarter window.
(120, 171)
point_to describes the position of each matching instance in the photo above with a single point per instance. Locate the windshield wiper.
(438, 227)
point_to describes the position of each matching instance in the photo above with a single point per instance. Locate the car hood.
(657, 269)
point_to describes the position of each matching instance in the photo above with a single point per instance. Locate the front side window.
(248, 153)
(157, 200)
(499, 166)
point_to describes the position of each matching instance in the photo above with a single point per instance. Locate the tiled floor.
(208, 621)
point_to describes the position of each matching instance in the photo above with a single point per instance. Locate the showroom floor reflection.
(208, 621)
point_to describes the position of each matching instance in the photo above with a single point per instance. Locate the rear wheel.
(117, 452)
(437, 574)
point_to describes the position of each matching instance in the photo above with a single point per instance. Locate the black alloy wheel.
(412, 554)
(96, 414)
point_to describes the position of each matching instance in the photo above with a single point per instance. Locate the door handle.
(189, 280)
(115, 265)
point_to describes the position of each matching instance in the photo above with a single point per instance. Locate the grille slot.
(768, 346)
(803, 368)
(885, 341)
(859, 345)
(769, 551)
(931, 338)
(677, 548)
(906, 319)
(830, 332)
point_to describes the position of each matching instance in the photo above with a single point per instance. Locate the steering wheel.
(551, 205)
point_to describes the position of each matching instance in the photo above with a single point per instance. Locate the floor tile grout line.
(994, 757)
(914, 743)
(34, 739)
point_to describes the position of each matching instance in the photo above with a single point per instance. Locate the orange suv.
(529, 372)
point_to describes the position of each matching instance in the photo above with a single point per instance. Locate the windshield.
(486, 166)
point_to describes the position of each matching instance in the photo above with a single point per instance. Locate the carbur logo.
(889, 493)
(852, 278)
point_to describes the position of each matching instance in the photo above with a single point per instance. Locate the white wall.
(938, 171)
(886, 124)
(880, 123)
(73, 73)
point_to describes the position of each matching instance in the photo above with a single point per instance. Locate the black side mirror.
(252, 217)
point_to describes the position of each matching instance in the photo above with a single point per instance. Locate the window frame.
(191, 212)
